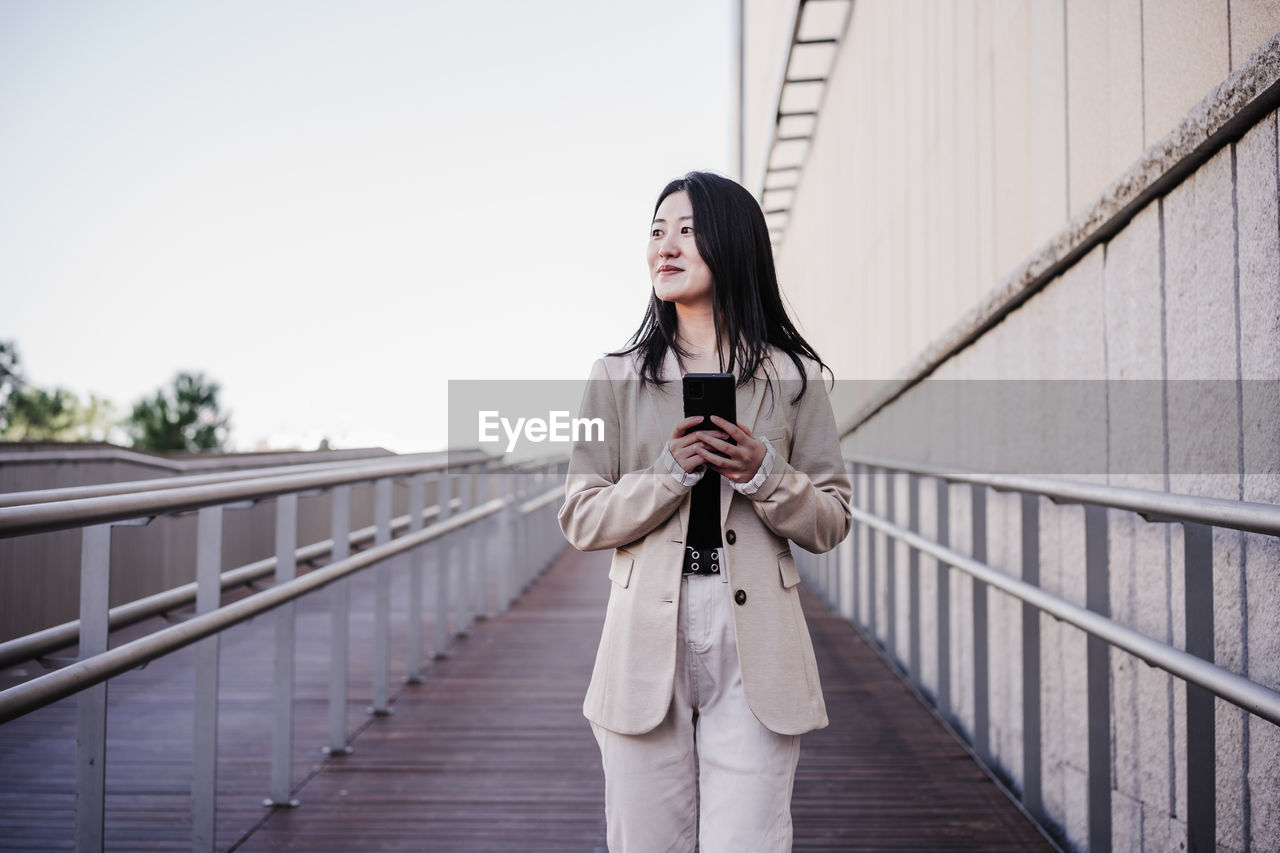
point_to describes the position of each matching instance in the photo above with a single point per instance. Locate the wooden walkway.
(491, 753)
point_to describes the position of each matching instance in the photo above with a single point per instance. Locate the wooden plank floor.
(490, 753)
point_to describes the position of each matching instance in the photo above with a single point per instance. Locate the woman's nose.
(668, 248)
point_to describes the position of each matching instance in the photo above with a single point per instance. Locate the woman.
(705, 674)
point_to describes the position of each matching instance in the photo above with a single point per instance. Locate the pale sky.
(334, 207)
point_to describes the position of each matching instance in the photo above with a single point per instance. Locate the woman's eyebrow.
(664, 222)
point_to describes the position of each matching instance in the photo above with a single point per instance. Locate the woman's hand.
(684, 445)
(739, 462)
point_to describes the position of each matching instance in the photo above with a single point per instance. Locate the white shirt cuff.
(766, 466)
(683, 477)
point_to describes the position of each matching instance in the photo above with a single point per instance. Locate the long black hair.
(733, 240)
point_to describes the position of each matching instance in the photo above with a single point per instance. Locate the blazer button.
(740, 596)
(731, 537)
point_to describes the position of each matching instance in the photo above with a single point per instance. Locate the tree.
(35, 414)
(184, 417)
(11, 380)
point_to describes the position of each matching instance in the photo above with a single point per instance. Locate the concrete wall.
(958, 138)
(956, 142)
(1189, 290)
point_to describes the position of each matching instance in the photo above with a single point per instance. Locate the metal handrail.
(82, 512)
(38, 643)
(524, 538)
(43, 642)
(39, 496)
(1151, 505)
(541, 500)
(1236, 689)
(1193, 664)
(49, 688)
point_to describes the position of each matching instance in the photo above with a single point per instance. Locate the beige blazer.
(618, 496)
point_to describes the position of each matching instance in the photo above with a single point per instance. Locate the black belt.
(701, 560)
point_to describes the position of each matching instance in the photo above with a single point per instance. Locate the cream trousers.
(743, 772)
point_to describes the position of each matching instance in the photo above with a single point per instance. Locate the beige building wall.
(957, 139)
(962, 149)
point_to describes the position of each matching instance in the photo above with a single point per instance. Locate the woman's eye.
(688, 229)
(657, 232)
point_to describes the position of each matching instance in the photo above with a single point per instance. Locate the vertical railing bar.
(891, 567)
(844, 564)
(1032, 798)
(282, 701)
(417, 503)
(913, 577)
(506, 555)
(981, 671)
(943, 602)
(833, 573)
(340, 624)
(204, 753)
(522, 533)
(1201, 749)
(872, 594)
(464, 562)
(1098, 599)
(91, 703)
(483, 561)
(382, 602)
(442, 551)
(855, 567)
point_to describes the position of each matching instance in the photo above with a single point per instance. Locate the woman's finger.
(737, 432)
(720, 442)
(713, 459)
(683, 426)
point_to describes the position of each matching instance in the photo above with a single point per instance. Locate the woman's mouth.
(666, 270)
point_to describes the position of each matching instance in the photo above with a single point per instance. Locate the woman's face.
(677, 270)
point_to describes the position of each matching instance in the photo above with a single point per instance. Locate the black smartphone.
(710, 394)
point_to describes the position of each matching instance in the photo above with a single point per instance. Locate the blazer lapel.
(749, 399)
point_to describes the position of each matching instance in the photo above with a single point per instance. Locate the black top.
(704, 512)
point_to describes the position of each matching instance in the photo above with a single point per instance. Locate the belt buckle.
(699, 560)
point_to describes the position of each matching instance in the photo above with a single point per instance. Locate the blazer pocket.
(780, 438)
(620, 569)
(787, 570)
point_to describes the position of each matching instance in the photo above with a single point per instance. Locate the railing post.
(549, 536)
(442, 550)
(981, 677)
(832, 559)
(340, 625)
(91, 703)
(417, 503)
(943, 603)
(464, 564)
(521, 549)
(890, 569)
(1032, 798)
(382, 602)
(856, 533)
(204, 753)
(873, 595)
(282, 703)
(1197, 542)
(1098, 599)
(913, 578)
(502, 536)
(480, 548)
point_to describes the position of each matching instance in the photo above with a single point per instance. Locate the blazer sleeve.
(604, 507)
(806, 499)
